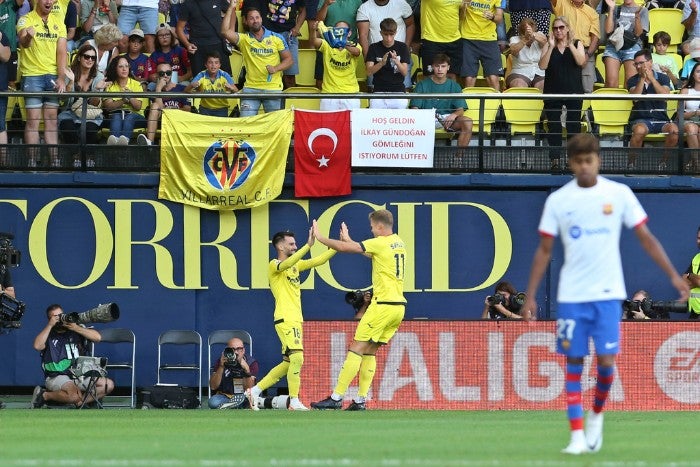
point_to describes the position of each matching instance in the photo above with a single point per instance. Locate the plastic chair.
(312, 103)
(222, 336)
(307, 67)
(179, 337)
(120, 336)
(523, 115)
(474, 104)
(611, 116)
(669, 20)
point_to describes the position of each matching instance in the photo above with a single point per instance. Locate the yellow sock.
(293, 373)
(274, 375)
(367, 367)
(347, 373)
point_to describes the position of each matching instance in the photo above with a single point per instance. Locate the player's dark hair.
(582, 143)
(280, 236)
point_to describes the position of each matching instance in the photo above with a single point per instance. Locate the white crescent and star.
(323, 161)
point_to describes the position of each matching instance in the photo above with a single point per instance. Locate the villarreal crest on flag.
(223, 163)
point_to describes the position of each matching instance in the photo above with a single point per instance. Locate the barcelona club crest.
(228, 163)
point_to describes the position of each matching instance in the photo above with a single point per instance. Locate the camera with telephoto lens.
(101, 314)
(637, 305)
(231, 360)
(496, 299)
(9, 256)
(356, 298)
(654, 309)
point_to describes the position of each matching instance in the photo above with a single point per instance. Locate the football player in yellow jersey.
(283, 273)
(384, 314)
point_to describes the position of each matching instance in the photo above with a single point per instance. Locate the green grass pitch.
(371, 438)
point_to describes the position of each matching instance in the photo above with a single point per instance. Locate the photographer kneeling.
(60, 344)
(232, 375)
(505, 303)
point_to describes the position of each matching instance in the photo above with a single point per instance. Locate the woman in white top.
(525, 50)
(105, 41)
(692, 117)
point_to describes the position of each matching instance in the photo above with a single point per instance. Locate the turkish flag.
(321, 153)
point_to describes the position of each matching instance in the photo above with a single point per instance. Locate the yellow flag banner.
(223, 163)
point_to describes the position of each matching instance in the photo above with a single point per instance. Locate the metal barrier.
(504, 148)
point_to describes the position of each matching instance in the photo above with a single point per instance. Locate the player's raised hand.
(312, 237)
(316, 231)
(344, 233)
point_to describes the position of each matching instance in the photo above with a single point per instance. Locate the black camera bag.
(167, 397)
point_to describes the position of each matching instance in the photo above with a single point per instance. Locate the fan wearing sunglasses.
(164, 84)
(82, 76)
(42, 38)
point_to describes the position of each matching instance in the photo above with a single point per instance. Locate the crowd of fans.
(132, 46)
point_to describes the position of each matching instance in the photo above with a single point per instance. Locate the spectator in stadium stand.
(538, 10)
(96, 13)
(449, 113)
(214, 80)
(164, 85)
(480, 44)
(689, 63)
(439, 33)
(505, 309)
(285, 17)
(141, 12)
(264, 65)
(591, 280)
(649, 116)
(202, 19)
(692, 276)
(691, 23)
(70, 20)
(167, 51)
(331, 12)
(42, 39)
(562, 59)
(691, 127)
(584, 23)
(82, 76)
(369, 17)
(635, 21)
(525, 52)
(124, 113)
(387, 61)
(339, 67)
(5, 57)
(106, 41)
(138, 61)
(666, 63)
(8, 27)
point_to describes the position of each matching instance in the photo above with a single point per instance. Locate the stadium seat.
(600, 66)
(523, 115)
(222, 336)
(236, 60)
(312, 103)
(119, 336)
(307, 68)
(180, 337)
(669, 20)
(611, 115)
(474, 104)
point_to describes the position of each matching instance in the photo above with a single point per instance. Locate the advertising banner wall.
(498, 365)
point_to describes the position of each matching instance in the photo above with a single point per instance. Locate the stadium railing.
(497, 152)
